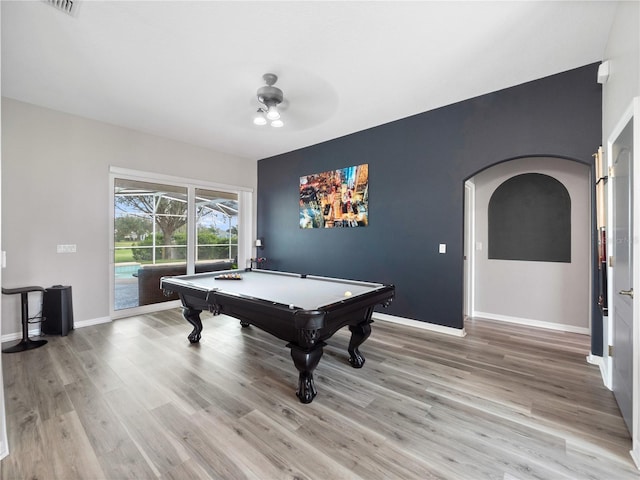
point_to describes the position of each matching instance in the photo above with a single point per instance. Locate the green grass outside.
(122, 255)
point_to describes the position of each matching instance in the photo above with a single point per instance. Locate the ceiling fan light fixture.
(269, 97)
(259, 118)
(272, 113)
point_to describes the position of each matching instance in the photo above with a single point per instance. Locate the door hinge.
(611, 172)
(611, 350)
(611, 261)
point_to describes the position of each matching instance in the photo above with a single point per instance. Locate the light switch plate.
(443, 248)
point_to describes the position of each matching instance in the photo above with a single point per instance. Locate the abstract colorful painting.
(338, 198)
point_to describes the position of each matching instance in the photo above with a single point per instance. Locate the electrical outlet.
(66, 248)
(443, 248)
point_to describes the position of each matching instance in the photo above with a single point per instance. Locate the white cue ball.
(347, 293)
(292, 306)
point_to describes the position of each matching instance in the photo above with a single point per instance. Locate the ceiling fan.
(269, 97)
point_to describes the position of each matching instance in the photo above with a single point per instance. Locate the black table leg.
(26, 343)
(193, 317)
(359, 333)
(306, 362)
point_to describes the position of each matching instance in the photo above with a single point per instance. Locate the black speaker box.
(57, 310)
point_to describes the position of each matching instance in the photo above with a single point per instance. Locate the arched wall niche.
(529, 219)
(548, 294)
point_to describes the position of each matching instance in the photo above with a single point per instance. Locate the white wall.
(549, 294)
(55, 190)
(4, 446)
(623, 55)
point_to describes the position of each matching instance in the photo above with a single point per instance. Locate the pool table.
(302, 310)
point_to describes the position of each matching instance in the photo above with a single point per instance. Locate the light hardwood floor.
(134, 400)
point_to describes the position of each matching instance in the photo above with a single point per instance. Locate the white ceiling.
(189, 70)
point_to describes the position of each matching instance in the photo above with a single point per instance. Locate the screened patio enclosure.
(162, 227)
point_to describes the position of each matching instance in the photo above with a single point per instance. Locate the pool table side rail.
(198, 276)
(280, 319)
(181, 285)
(175, 284)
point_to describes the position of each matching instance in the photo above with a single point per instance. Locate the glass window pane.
(217, 225)
(150, 230)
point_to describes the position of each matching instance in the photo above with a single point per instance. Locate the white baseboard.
(4, 447)
(91, 321)
(533, 323)
(154, 307)
(457, 332)
(4, 439)
(595, 360)
(143, 309)
(18, 335)
(35, 332)
(599, 361)
(635, 455)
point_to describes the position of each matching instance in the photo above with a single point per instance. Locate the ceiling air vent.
(69, 7)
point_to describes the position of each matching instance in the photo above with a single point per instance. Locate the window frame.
(245, 226)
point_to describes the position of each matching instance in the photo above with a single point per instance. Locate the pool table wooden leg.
(306, 362)
(193, 317)
(359, 333)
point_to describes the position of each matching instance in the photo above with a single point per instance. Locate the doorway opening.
(548, 294)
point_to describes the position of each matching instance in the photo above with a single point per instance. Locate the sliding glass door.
(216, 226)
(164, 230)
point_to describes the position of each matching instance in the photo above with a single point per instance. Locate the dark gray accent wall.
(417, 169)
